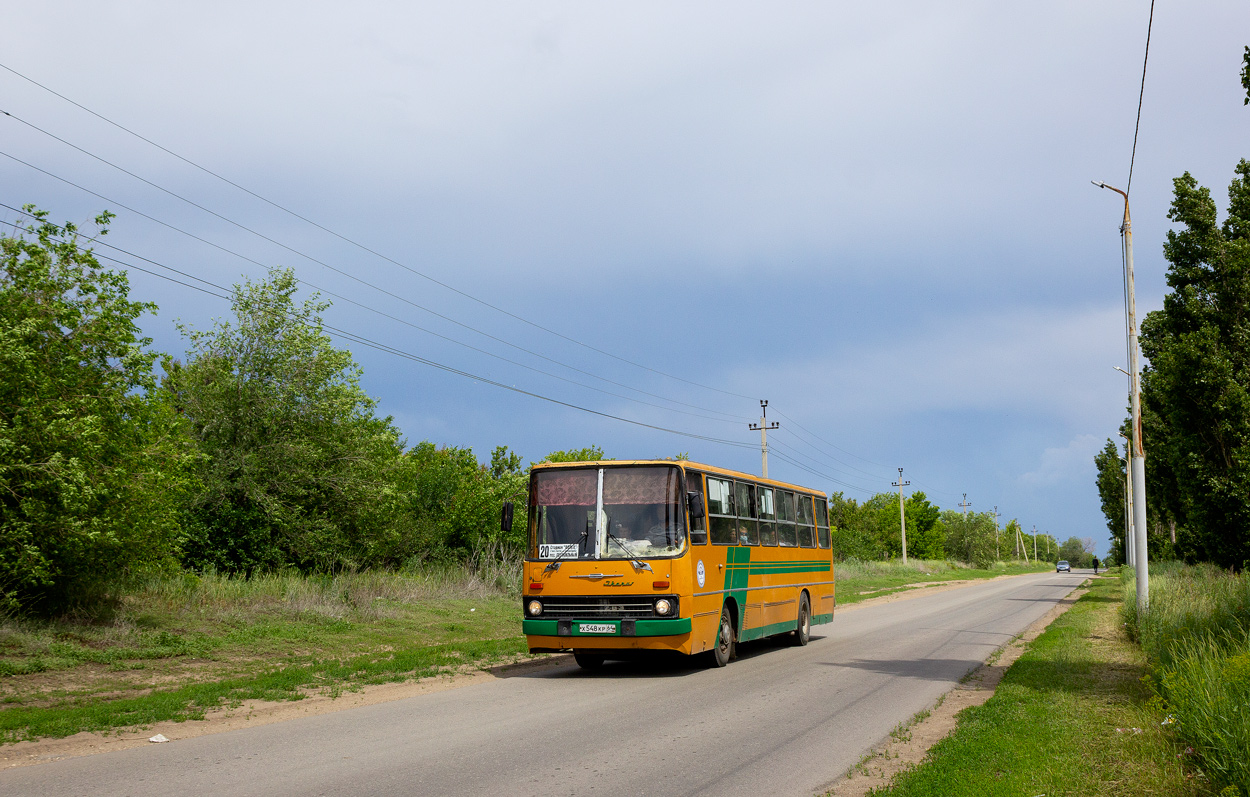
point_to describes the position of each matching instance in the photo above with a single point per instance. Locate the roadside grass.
(858, 580)
(1072, 715)
(1196, 636)
(172, 648)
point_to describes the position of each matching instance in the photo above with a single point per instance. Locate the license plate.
(596, 628)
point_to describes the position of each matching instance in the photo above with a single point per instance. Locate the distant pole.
(1035, 543)
(998, 554)
(902, 515)
(1137, 457)
(964, 505)
(763, 428)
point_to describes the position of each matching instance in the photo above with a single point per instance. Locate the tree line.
(871, 531)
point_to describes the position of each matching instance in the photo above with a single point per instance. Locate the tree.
(91, 466)
(846, 522)
(1197, 383)
(1075, 552)
(970, 538)
(588, 454)
(1111, 486)
(926, 537)
(1245, 75)
(296, 469)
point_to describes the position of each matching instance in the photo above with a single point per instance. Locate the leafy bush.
(91, 465)
(296, 469)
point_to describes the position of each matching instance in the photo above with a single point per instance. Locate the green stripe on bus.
(659, 627)
(768, 630)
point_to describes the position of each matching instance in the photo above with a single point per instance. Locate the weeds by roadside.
(1071, 716)
(171, 648)
(1196, 635)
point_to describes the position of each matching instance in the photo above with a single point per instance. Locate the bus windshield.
(607, 513)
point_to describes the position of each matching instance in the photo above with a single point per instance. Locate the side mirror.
(505, 522)
(695, 503)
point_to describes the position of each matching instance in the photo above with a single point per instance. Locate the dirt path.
(260, 712)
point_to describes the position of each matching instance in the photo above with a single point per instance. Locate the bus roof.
(711, 469)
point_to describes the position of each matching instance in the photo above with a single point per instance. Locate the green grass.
(171, 648)
(857, 580)
(1073, 715)
(1196, 635)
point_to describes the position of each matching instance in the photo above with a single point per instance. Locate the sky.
(631, 222)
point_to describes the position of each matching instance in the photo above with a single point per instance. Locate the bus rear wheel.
(803, 631)
(588, 661)
(725, 640)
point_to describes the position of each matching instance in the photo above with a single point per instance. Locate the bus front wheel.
(588, 661)
(724, 650)
(803, 631)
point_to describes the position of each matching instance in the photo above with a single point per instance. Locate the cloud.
(1073, 462)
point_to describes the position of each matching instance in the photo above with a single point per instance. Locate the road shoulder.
(908, 745)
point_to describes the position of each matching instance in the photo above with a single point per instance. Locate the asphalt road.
(778, 721)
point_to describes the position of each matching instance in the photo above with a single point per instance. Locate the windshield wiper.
(637, 563)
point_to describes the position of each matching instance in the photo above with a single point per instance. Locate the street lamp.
(1137, 455)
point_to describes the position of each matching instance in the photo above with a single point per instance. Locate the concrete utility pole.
(998, 554)
(1138, 454)
(1035, 543)
(964, 505)
(1128, 509)
(902, 514)
(763, 428)
(1024, 549)
(1129, 544)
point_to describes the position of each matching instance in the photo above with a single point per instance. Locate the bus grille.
(579, 606)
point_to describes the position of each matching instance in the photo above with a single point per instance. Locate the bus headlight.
(534, 608)
(663, 606)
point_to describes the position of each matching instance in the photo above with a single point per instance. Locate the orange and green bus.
(626, 556)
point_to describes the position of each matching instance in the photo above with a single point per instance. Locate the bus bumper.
(556, 635)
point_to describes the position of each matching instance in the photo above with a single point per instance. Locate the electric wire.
(831, 445)
(1141, 95)
(312, 259)
(420, 328)
(781, 450)
(818, 460)
(368, 249)
(369, 342)
(803, 439)
(128, 208)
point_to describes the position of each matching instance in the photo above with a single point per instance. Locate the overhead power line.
(432, 333)
(365, 248)
(366, 283)
(388, 349)
(1140, 96)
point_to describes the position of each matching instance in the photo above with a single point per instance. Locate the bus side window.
(768, 517)
(786, 534)
(720, 511)
(748, 528)
(698, 525)
(807, 531)
(822, 522)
